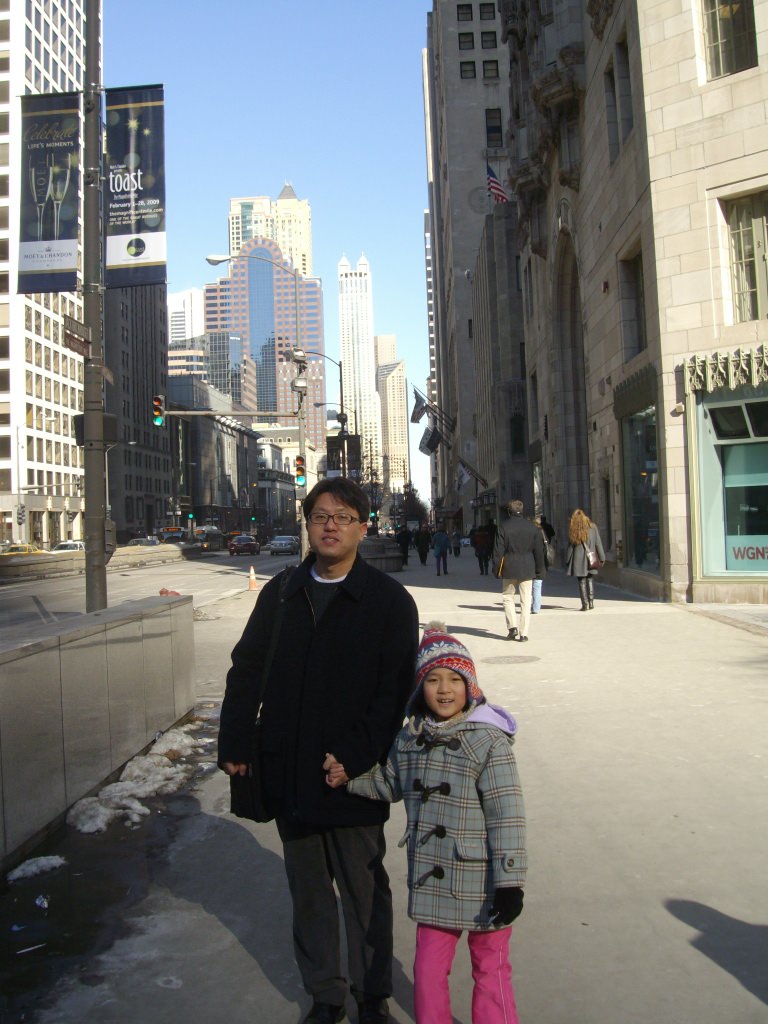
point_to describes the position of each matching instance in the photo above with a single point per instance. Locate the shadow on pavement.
(739, 948)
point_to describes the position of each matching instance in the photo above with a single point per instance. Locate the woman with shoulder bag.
(585, 555)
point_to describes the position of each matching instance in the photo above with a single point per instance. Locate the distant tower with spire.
(286, 220)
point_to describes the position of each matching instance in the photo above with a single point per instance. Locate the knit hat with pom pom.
(438, 649)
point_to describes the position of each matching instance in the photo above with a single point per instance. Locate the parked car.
(284, 546)
(142, 542)
(23, 549)
(243, 544)
(69, 545)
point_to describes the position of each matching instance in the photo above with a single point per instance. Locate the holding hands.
(335, 775)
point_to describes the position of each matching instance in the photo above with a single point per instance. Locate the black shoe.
(512, 634)
(325, 1013)
(523, 639)
(373, 1011)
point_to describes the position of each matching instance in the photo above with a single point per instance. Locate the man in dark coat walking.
(342, 671)
(519, 553)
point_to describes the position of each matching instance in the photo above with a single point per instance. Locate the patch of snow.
(143, 776)
(35, 866)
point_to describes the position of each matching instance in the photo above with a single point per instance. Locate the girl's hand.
(335, 775)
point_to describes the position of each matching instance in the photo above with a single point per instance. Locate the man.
(480, 539)
(404, 542)
(519, 552)
(342, 671)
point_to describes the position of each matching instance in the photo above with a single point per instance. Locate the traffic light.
(21, 514)
(301, 471)
(158, 410)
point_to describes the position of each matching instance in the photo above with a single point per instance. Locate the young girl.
(453, 765)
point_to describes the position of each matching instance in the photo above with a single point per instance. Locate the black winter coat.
(521, 544)
(338, 686)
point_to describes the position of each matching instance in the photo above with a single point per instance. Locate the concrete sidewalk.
(643, 752)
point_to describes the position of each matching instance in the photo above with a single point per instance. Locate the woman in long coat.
(584, 541)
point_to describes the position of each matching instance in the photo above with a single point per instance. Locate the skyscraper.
(391, 385)
(41, 380)
(358, 357)
(287, 221)
(257, 301)
(185, 315)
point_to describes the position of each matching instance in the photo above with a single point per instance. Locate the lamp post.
(299, 356)
(342, 418)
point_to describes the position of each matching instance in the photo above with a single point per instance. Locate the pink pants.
(493, 998)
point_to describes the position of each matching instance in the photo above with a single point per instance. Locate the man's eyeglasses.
(340, 518)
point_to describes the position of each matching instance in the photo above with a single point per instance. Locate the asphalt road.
(36, 602)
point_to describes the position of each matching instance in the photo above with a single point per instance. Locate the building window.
(467, 69)
(729, 29)
(494, 132)
(747, 231)
(611, 112)
(632, 299)
(464, 12)
(623, 90)
(641, 491)
(528, 290)
(488, 40)
(533, 403)
(733, 428)
(466, 40)
(490, 69)
(487, 12)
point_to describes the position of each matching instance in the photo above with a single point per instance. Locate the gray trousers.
(352, 857)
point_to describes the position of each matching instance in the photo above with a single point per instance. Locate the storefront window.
(733, 457)
(641, 491)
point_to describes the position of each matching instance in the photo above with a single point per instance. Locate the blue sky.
(325, 94)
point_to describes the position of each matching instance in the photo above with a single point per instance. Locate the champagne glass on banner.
(40, 183)
(60, 175)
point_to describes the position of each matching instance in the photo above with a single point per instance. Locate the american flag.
(495, 188)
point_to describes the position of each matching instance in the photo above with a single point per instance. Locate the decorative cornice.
(730, 370)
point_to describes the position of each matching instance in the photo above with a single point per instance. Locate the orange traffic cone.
(252, 580)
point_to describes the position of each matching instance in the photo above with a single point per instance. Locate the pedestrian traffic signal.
(301, 471)
(158, 410)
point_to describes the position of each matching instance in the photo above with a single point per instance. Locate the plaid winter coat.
(466, 821)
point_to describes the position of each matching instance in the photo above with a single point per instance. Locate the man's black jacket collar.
(353, 583)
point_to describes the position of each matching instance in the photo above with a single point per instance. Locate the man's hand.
(234, 769)
(335, 775)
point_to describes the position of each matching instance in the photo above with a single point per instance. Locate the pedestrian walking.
(454, 767)
(440, 546)
(585, 555)
(480, 539)
(423, 543)
(518, 558)
(537, 582)
(404, 542)
(456, 543)
(339, 676)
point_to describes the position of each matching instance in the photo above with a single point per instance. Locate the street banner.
(134, 187)
(50, 194)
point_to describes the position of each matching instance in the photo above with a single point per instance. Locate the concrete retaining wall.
(79, 699)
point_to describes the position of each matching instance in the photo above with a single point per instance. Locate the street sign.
(80, 330)
(76, 344)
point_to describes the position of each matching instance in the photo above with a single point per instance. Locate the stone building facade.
(638, 139)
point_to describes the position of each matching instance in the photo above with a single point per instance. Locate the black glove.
(507, 905)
